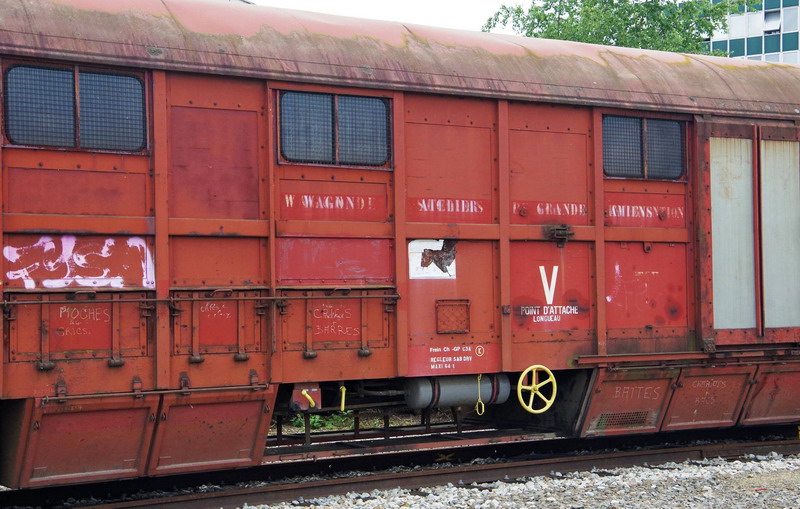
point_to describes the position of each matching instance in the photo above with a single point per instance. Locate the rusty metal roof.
(236, 38)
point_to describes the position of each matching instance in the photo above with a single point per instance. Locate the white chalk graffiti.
(84, 261)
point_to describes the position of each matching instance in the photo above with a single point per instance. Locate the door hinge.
(560, 233)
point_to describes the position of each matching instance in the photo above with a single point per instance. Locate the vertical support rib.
(596, 169)
(504, 247)
(160, 150)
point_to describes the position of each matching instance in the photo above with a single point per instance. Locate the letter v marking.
(549, 288)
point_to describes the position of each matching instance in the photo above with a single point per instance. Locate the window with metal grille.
(40, 107)
(643, 148)
(334, 129)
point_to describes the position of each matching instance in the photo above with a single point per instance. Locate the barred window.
(643, 148)
(40, 104)
(334, 129)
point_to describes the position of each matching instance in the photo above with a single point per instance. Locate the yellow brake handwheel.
(534, 388)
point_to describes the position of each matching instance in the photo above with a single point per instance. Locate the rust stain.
(247, 40)
(442, 258)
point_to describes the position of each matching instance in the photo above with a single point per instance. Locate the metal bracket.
(261, 309)
(136, 386)
(174, 310)
(61, 391)
(282, 306)
(115, 363)
(560, 233)
(45, 365)
(8, 312)
(146, 310)
(389, 305)
(183, 383)
(253, 377)
(90, 294)
(709, 345)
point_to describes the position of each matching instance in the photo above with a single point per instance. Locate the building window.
(643, 148)
(40, 106)
(334, 129)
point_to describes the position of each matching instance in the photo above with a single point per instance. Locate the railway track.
(526, 463)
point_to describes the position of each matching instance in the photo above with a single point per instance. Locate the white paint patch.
(80, 262)
(148, 266)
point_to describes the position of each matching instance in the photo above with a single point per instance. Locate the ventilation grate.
(452, 316)
(624, 419)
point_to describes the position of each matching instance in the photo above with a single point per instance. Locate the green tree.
(668, 25)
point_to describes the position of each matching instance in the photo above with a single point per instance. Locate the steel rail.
(459, 475)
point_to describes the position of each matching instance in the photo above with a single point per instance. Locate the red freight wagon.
(215, 214)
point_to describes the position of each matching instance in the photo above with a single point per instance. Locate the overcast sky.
(463, 14)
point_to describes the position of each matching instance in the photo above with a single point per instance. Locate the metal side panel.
(629, 401)
(211, 430)
(708, 397)
(84, 440)
(774, 397)
(733, 256)
(780, 223)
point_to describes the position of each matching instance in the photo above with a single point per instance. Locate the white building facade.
(769, 33)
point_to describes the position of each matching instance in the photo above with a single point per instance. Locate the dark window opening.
(47, 106)
(643, 148)
(334, 129)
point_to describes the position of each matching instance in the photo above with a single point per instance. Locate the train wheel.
(535, 389)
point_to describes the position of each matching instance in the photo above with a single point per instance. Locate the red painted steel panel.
(81, 326)
(646, 285)
(334, 261)
(469, 276)
(449, 156)
(101, 193)
(77, 262)
(214, 164)
(211, 430)
(645, 210)
(76, 341)
(319, 323)
(774, 397)
(549, 164)
(88, 440)
(630, 401)
(550, 288)
(336, 364)
(218, 322)
(333, 201)
(335, 322)
(218, 92)
(708, 397)
(218, 261)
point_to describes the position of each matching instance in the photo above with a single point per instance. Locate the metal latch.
(282, 306)
(183, 383)
(136, 386)
(560, 233)
(61, 391)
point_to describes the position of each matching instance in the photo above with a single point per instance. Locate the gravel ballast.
(771, 481)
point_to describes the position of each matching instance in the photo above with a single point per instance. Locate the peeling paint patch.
(432, 259)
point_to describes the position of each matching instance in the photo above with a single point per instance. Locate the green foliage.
(334, 421)
(668, 25)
